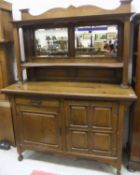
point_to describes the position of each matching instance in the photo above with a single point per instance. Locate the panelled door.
(40, 123)
(91, 127)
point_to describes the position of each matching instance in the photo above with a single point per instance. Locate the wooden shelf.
(101, 65)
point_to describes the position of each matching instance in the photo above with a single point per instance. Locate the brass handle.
(36, 102)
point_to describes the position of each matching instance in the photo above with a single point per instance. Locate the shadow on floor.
(69, 161)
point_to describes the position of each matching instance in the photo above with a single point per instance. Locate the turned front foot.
(20, 157)
(118, 172)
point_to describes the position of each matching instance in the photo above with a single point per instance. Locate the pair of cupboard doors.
(88, 128)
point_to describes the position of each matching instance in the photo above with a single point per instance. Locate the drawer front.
(37, 102)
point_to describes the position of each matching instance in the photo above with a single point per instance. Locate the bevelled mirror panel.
(96, 40)
(51, 42)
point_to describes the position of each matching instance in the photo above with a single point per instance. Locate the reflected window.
(51, 42)
(96, 40)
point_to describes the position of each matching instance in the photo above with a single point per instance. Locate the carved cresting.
(71, 11)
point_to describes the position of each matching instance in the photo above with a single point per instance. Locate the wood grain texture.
(126, 51)
(45, 122)
(90, 90)
(71, 11)
(70, 105)
(6, 126)
(134, 141)
(6, 71)
(81, 128)
(5, 26)
(5, 6)
(85, 133)
(102, 65)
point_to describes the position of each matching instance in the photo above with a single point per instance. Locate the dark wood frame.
(70, 25)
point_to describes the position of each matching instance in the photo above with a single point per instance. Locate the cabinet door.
(103, 123)
(39, 126)
(77, 119)
(91, 127)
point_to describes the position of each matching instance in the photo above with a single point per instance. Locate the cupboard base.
(112, 161)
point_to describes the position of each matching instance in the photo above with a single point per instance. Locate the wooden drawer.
(37, 102)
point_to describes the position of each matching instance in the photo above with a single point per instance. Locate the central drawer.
(34, 101)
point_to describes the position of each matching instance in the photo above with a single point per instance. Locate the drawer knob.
(36, 102)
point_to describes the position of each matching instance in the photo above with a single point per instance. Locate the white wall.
(38, 7)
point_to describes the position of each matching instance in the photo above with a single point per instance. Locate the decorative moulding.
(72, 11)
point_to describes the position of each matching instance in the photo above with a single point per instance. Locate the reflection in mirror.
(96, 40)
(51, 42)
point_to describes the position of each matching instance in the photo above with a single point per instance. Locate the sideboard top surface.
(73, 89)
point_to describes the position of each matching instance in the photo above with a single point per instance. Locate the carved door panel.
(77, 127)
(91, 127)
(104, 128)
(40, 126)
